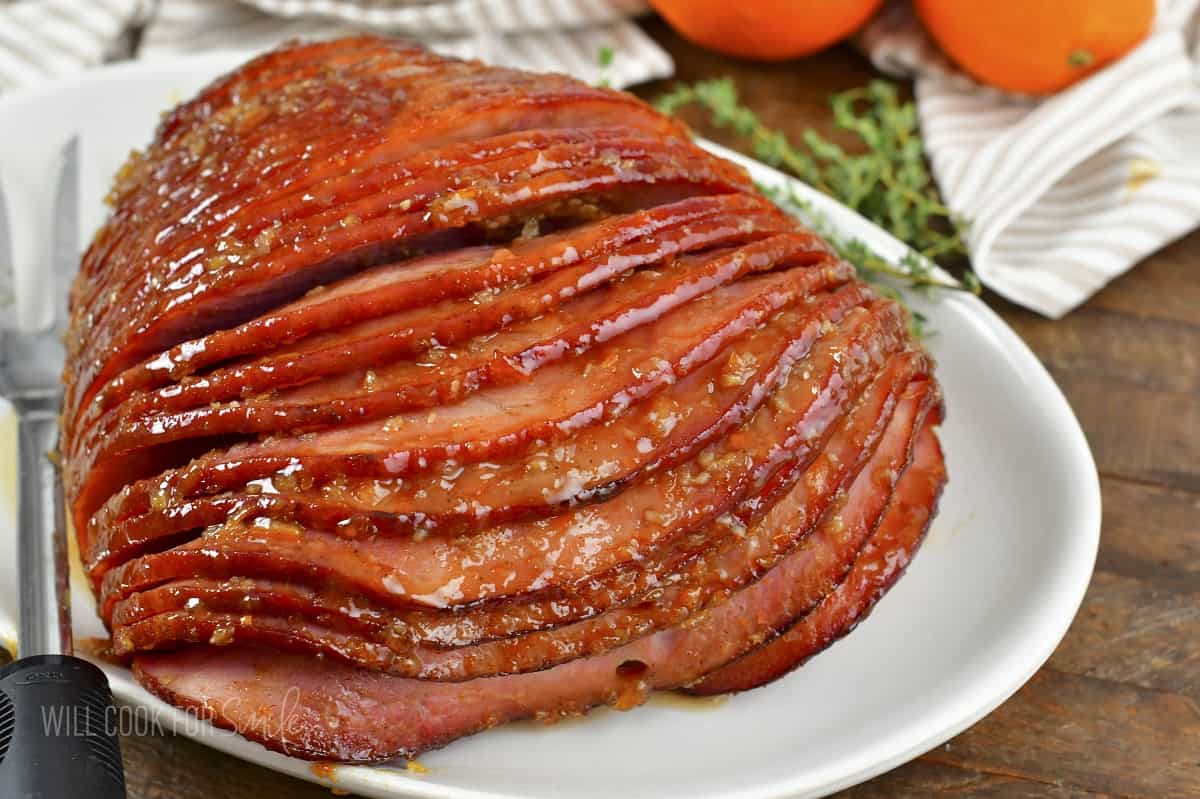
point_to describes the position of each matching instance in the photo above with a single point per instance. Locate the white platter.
(990, 595)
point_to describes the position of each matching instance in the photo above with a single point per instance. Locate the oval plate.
(993, 591)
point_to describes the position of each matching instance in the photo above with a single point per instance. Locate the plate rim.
(903, 741)
(1086, 533)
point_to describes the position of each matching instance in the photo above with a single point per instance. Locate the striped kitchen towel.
(55, 38)
(544, 35)
(1064, 193)
(42, 39)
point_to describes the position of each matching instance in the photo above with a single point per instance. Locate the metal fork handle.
(45, 621)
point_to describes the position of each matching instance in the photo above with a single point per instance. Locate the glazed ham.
(446, 395)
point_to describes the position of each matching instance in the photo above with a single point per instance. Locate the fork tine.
(64, 251)
(8, 308)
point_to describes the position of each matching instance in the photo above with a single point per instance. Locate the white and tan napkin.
(56, 38)
(42, 39)
(545, 35)
(1068, 192)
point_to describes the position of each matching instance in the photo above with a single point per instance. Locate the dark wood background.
(1115, 712)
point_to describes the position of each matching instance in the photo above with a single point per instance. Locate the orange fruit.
(766, 30)
(1035, 46)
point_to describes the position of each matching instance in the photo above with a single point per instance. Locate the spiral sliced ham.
(436, 395)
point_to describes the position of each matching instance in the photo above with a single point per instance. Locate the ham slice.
(350, 714)
(387, 388)
(808, 407)
(596, 252)
(499, 561)
(604, 458)
(739, 553)
(878, 566)
(604, 381)
(242, 279)
(407, 396)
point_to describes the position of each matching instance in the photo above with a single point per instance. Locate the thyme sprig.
(888, 182)
(604, 59)
(913, 270)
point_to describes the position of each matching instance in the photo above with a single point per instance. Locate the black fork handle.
(57, 721)
(58, 731)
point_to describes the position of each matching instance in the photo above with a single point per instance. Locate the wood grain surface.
(1116, 711)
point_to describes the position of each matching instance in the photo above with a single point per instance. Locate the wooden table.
(1115, 712)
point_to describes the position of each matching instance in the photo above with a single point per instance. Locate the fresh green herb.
(888, 182)
(913, 270)
(604, 59)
